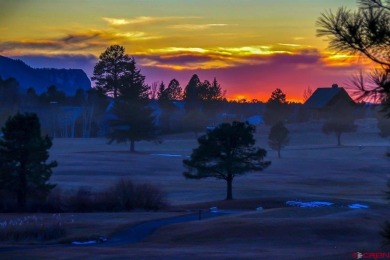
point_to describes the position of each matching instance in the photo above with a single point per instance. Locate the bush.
(148, 197)
(54, 201)
(123, 195)
(81, 201)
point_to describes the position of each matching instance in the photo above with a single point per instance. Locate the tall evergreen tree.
(174, 90)
(201, 102)
(204, 91)
(191, 94)
(162, 94)
(210, 92)
(23, 156)
(216, 91)
(111, 71)
(9, 92)
(166, 98)
(276, 109)
(133, 117)
(212, 98)
(226, 152)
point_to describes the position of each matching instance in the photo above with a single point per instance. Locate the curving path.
(141, 231)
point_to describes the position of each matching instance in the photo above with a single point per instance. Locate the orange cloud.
(144, 20)
(197, 26)
(89, 42)
(177, 58)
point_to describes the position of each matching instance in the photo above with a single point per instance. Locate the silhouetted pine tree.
(111, 71)
(133, 117)
(276, 109)
(226, 152)
(23, 156)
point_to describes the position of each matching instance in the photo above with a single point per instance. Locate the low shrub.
(81, 201)
(148, 197)
(123, 195)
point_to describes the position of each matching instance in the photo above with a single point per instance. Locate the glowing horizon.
(251, 47)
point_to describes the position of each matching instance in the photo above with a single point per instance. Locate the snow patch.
(358, 206)
(84, 243)
(91, 242)
(167, 154)
(214, 209)
(310, 204)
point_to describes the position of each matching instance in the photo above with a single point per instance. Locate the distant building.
(324, 100)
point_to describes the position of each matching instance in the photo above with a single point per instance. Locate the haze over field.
(251, 46)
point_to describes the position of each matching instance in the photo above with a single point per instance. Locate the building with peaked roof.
(326, 99)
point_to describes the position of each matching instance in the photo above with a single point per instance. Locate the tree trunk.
(339, 139)
(229, 192)
(132, 145)
(22, 187)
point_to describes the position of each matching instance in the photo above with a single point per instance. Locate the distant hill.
(67, 80)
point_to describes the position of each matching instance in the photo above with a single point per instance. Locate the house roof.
(324, 96)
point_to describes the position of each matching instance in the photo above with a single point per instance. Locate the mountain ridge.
(67, 80)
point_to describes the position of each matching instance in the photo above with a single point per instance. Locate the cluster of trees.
(116, 78)
(202, 102)
(81, 118)
(133, 119)
(10, 95)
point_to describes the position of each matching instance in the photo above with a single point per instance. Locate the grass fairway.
(312, 168)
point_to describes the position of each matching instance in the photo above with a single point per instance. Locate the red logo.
(371, 255)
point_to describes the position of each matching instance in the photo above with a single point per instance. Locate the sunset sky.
(251, 46)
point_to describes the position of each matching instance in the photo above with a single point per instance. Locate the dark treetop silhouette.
(365, 32)
(132, 117)
(112, 70)
(276, 108)
(23, 155)
(226, 152)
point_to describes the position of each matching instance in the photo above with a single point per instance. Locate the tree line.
(121, 102)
